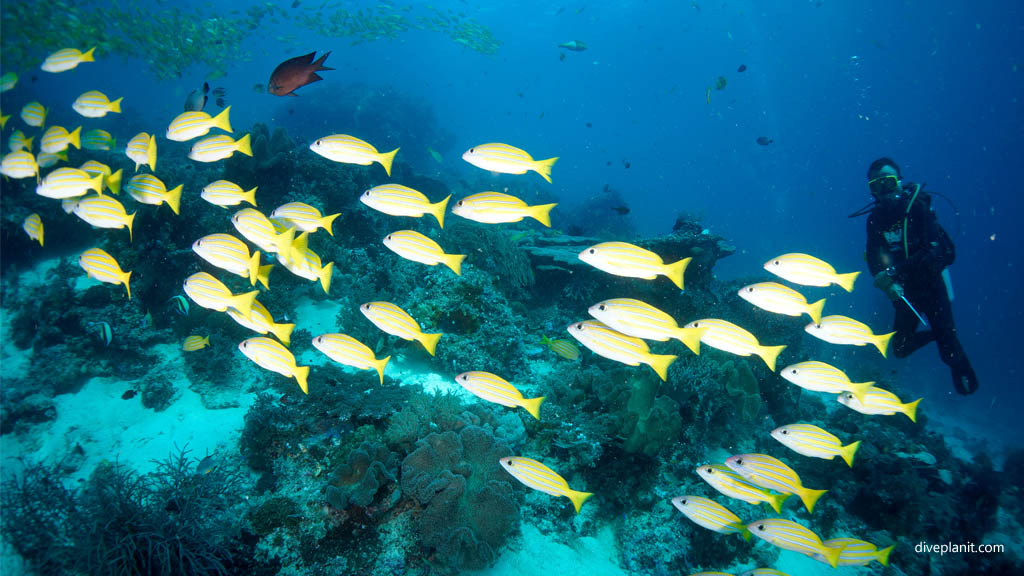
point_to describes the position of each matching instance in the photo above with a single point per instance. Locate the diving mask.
(884, 185)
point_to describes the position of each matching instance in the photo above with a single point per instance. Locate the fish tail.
(151, 154)
(532, 405)
(742, 530)
(328, 221)
(883, 555)
(325, 277)
(676, 270)
(128, 222)
(386, 158)
(578, 498)
(28, 143)
(429, 341)
(41, 234)
(301, 373)
(254, 267)
(250, 196)
(454, 261)
(244, 145)
(243, 302)
(124, 279)
(289, 246)
(910, 409)
(75, 138)
(114, 181)
(96, 183)
(283, 332)
(319, 64)
(660, 364)
(221, 120)
(776, 500)
(115, 106)
(542, 213)
(263, 275)
(809, 497)
(882, 343)
(847, 280)
(831, 554)
(814, 310)
(859, 390)
(88, 56)
(691, 337)
(848, 451)
(173, 198)
(379, 366)
(769, 354)
(438, 209)
(543, 167)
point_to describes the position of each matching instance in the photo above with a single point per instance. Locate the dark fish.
(293, 74)
(128, 395)
(742, 68)
(219, 94)
(257, 88)
(574, 45)
(720, 83)
(295, 4)
(561, 57)
(196, 100)
(622, 210)
(590, 124)
(626, 164)
(106, 333)
(206, 465)
(764, 140)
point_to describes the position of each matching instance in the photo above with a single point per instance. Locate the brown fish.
(293, 74)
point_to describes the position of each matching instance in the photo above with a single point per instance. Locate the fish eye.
(317, 142)
(592, 251)
(579, 326)
(696, 324)
(471, 150)
(776, 262)
(760, 527)
(751, 289)
(319, 338)
(199, 242)
(784, 432)
(601, 307)
(464, 377)
(817, 325)
(793, 371)
(459, 203)
(389, 236)
(245, 344)
(739, 461)
(683, 501)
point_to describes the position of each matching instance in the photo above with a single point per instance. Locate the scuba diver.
(907, 253)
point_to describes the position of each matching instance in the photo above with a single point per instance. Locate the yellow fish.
(775, 297)
(18, 141)
(857, 552)
(20, 164)
(195, 342)
(879, 401)
(789, 535)
(33, 226)
(771, 473)
(193, 124)
(507, 159)
(223, 193)
(8, 81)
(729, 337)
(95, 104)
(229, 253)
(641, 320)
(3, 120)
(48, 159)
(102, 266)
(255, 227)
(304, 217)
(261, 322)
(499, 208)
(97, 139)
(617, 346)
(494, 388)
(563, 348)
(711, 515)
(57, 139)
(66, 59)
(352, 150)
(398, 322)
(148, 189)
(810, 440)
(346, 350)
(67, 183)
(414, 246)
(731, 484)
(623, 259)
(211, 293)
(214, 148)
(33, 114)
(807, 270)
(304, 263)
(104, 212)
(111, 180)
(270, 354)
(843, 330)
(821, 377)
(540, 477)
(398, 200)
(141, 149)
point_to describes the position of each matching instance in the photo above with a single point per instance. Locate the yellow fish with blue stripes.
(838, 329)
(731, 484)
(214, 148)
(57, 139)
(773, 474)
(111, 180)
(33, 226)
(412, 245)
(304, 217)
(351, 150)
(261, 322)
(346, 350)
(20, 164)
(195, 342)
(211, 293)
(18, 141)
(780, 299)
(255, 227)
(68, 183)
(857, 552)
(229, 253)
(196, 123)
(711, 515)
(95, 104)
(302, 261)
(641, 320)
(617, 346)
(148, 189)
(498, 157)
(8, 81)
(728, 337)
(48, 159)
(540, 477)
(879, 401)
(224, 193)
(563, 348)
(270, 354)
(100, 265)
(397, 322)
(806, 270)
(810, 440)
(104, 212)
(67, 59)
(98, 139)
(789, 535)
(141, 149)
(494, 388)
(398, 200)
(34, 114)
(624, 259)
(821, 377)
(500, 208)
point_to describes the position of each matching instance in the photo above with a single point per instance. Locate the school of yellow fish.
(619, 330)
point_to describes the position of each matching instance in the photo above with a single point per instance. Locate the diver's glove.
(886, 282)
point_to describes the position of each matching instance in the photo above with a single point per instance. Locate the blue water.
(934, 85)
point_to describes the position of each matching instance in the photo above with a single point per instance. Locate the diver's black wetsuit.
(930, 250)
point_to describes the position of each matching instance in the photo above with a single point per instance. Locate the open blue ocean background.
(936, 86)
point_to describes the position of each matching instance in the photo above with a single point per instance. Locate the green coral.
(741, 384)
